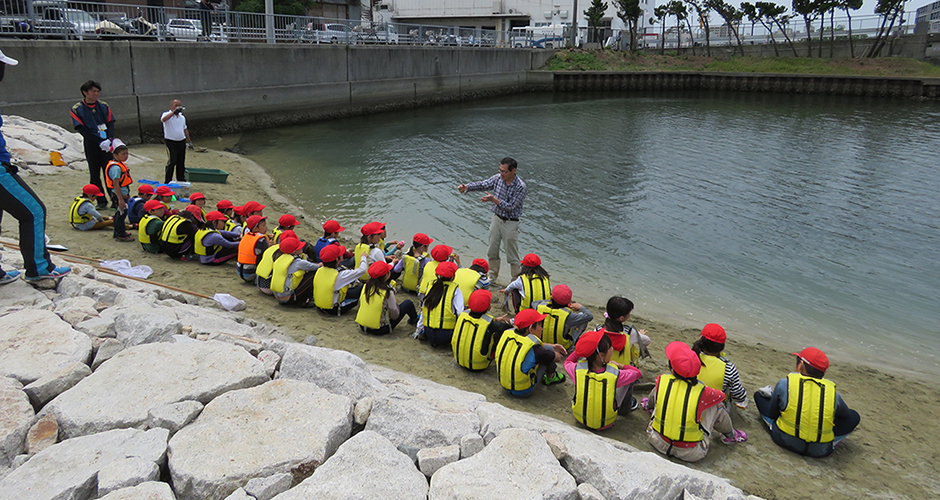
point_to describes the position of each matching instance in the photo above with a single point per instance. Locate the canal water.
(791, 220)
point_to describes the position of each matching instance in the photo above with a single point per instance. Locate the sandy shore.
(889, 456)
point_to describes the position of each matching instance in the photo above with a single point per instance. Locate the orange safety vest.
(246, 248)
(125, 178)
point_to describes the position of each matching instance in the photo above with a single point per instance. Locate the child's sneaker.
(737, 436)
(54, 274)
(555, 378)
(126, 237)
(9, 277)
(645, 403)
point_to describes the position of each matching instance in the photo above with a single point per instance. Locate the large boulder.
(35, 343)
(336, 371)
(123, 390)
(144, 324)
(16, 416)
(51, 385)
(69, 470)
(150, 490)
(280, 426)
(516, 464)
(366, 467)
(19, 295)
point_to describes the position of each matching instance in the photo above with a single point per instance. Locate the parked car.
(332, 33)
(74, 22)
(191, 30)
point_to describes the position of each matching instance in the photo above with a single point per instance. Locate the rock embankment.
(114, 389)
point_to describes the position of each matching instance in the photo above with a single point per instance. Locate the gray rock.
(557, 446)
(516, 464)
(69, 470)
(494, 418)
(266, 488)
(49, 386)
(74, 310)
(270, 360)
(144, 491)
(43, 434)
(16, 415)
(125, 474)
(336, 371)
(149, 376)
(276, 427)
(35, 343)
(363, 410)
(143, 324)
(174, 416)
(276, 345)
(470, 445)
(19, 295)
(432, 459)
(588, 492)
(311, 340)
(100, 327)
(366, 467)
(18, 461)
(108, 349)
(240, 494)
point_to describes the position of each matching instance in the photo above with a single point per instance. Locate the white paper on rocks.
(229, 302)
(124, 267)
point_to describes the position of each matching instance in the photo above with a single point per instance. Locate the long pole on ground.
(269, 20)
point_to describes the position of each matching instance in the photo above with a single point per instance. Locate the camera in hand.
(179, 110)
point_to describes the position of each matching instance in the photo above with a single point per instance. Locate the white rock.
(74, 310)
(494, 418)
(99, 327)
(470, 445)
(266, 488)
(588, 492)
(20, 295)
(276, 427)
(336, 371)
(366, 467)
(16, 416)
(270, 360)
(363, 410)
(122, 391)
(557, 446)
(138, 325)
(144, 491)
(49, 386)
(276, 345)
(18, 461)
(240, 494)
(35, 138)
(68, 470)
(432, 459)
(516, 464)
(108, 349)
(43, 434)
(125, 474)
(35, 343)
(174, 416)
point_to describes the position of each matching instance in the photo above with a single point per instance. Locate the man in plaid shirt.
(508, 195)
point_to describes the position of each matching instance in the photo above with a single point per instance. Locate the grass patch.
(611, 60)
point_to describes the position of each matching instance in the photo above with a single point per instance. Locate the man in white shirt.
(176, 138)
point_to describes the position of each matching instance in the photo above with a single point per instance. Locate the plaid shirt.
(510, 197)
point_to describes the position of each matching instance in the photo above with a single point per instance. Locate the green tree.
(285, 7)
(629, 12)
(847, 5)
(732, 17)
(809, 10)
(890, 12)
(660, 13)
(703, 9)
(677, 9)
(594, 14)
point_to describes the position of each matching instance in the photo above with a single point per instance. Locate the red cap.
(145, 189)
(215, 215)
(531, 260)
(379, 268)
(561, 294)
(617, 339)
(92, 190)
(224, 205)
(714, 332)
(253, 221)
(587, 343)
(446, 269)
(480, 300)
(193, 209)
(287, 234)
(527, 318)
(482, 263)
(253, 206)
(197, 196)
(331, 226)
(153, 205)
(239, 210)
(683, 359)
(371, 228)
(332, 252)
(164, 191)
(290, 245)
(287, 220)
(440, 253)
(815, 358)
(422, 239)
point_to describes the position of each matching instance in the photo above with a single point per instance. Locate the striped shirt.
(733, 387)
(510, 197)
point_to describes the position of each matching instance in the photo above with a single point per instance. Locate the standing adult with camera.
(93, 119)
(176, 138)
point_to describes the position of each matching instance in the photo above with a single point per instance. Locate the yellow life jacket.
(811, 409)
(362, 248)
(677, 408)
(142, 234)
(169, 234)
(630, 355)
(276, 233)
(201, 249)
(411, 272)
(713, 371)
(370, 310)
(442, 316)
(470, 343)
(553, 330)
(230, 225)
(75, 217)
(466, 280)
(430, 274)
(266, 265)
(595, 395)
(534, 290)
(279, 277)
(510, 353)
(323, 283)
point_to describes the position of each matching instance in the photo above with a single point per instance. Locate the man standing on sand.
(508, 195)
(176, 138)
(93, 119)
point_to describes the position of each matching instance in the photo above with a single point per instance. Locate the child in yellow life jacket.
(212, 244)
(472, 278)
(627, 353)
(251, 247)
(148, 232)
(442, 304)
(82, 213)
(369, 244)
(565, 320)
(199, 200)
(292, 278)
(265, 267)
(331, 291)
(477, 333)
(288, 222)
(176, 237)
(411, 265)
(523, 361)
(717, 371)
(686, 411)
(532, 284)
(228, 209)
(135, 205)
(601, 386)
(378, 312)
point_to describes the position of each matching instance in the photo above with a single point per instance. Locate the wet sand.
(891, 455)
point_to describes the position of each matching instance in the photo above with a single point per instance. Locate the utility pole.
(574, 25)
(269, 20)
